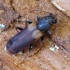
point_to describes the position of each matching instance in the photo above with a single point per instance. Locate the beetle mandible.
(33, 32)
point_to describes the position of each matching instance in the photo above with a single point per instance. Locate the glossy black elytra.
(33, 32)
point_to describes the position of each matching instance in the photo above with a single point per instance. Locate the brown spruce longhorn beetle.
(33, 32)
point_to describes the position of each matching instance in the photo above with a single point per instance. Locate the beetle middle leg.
(40, 44)
(36, 46)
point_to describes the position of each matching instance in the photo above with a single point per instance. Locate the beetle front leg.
(38, 17)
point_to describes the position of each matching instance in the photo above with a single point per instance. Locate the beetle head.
(46, 22)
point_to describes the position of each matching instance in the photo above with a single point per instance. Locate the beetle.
(33, 32)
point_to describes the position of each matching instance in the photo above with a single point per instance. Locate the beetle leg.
(23, 51)
(19, 29)
(42, 38)
(38, 18)
(28, 21)
(25, 57)
(30, 48)
(49, 32)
